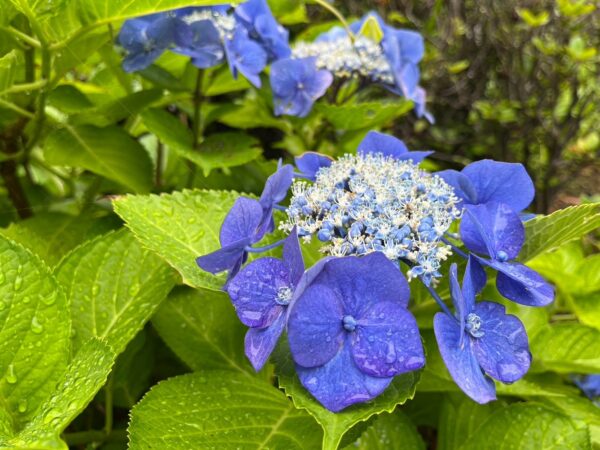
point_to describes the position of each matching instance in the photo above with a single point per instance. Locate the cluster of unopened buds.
(382, 219)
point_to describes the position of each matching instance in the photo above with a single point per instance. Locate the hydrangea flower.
(493, 229)
(590, 386)
(480, 342)
(350, 331)
(296, 84)
(377, 201)
(261, 293)
(391, 63)
(309, 164)
(146, 38)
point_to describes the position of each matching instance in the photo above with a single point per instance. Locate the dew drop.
(18, 282)
(36, 326)
(95, 289)
(22, 407)
(11, 376)
(49, 299)
(134, 289)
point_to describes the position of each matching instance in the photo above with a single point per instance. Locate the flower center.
(502, 256)
(349, 323)
(473, 325)
(284, 296)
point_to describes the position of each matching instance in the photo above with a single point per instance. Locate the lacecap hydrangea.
(248, 37)
(370, 50)
(382, 222)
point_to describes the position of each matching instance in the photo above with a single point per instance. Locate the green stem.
(197, 128)
(108, 405)
(24, 87)
(22, 36)
(160, 155)
(333, 10)
(88, 437)
(17, 109)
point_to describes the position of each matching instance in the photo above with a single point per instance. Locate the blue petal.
(256, 16)
(309, 164)
(521, 284)
(412, 45)
(463, 188)
(589, 384)
(387, 341)
(202, 42)
(340, 383)
(362, 282)
(502, 182)
(260, 342)
(245, 56)
(242, 221)
(388, 145)
(254, 291)
(277, 186)
(407, 78)
(292, 257)
(461, 361)
(503, 350)
(492, 228)
(315, 330)
(229, 257)
(474, 281)
(460, 303)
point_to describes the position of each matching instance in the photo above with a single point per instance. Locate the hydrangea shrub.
(212, 235)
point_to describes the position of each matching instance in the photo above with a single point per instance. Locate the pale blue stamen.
(284, 296)
(349, 323)
(473, 325)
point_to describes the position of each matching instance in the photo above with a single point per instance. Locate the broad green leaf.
(549, 232)
(180, 227)
(587, 308)
(114, 286)
(68, 99)
(118, 109)
(222, 82)
(253, 111)
(98, 12)
(363, 115)
(8, 69)
(219, 150)
(82, 379)
(78, 50)
(390, 432)
(34, 334)
(524, 426)
(201, 327)
(109, 152)
(335, 425)
(567, 348)
(133, 368)
(53, 235)
(219, 409)
(459, 417)
(371, 29)
(579, 408)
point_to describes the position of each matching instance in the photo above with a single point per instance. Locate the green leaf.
(528, 426)
(549, 232)
(221, 409)
(567, 348)
(68, 99)
(8, 69)
(363, 115)
(253, 111)
(371, 29)
(52, 235)
(114, 286)
(390, 432)
(219, 150)
(83, 378)
(335, 425)
(98, 12)
(459, 418)
(201, 327)
(180, 227)
(118, 109)
(579, 408)
(222, 82)
(109, 152)
(34, 334)
(532, 19)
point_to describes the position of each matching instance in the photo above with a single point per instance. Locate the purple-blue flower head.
(350, 331)
(388, 145)
(482, 341)
(493, 229)
(491, 181)
(245, 56)
(261, 293)
(297, 84)
(241, 228)
(257, 18)
(201, 40)
(146, 38)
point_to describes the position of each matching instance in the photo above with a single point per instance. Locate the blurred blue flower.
(482, 341)
(245, 56)
(492, 181)
(201, 40)
(258, 19)
(493, 229)
(350, 331)
(146, 38)
(261, 293)
(242, 227)
(388, 145)
(589, 385)
(296, 84)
